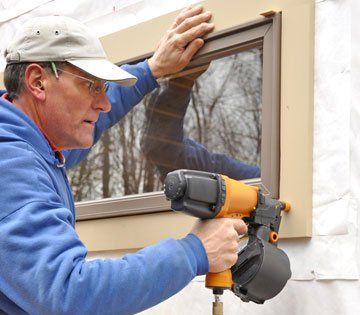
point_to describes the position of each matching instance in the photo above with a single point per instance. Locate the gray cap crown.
(60, 38)
(53, 38)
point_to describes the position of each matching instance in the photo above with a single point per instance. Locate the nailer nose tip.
(286, 206)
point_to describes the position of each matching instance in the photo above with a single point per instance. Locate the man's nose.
(102, 103)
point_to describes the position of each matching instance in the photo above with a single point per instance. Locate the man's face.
(69, 112)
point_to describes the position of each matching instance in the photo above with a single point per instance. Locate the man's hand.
(181, 41)
(220, 240)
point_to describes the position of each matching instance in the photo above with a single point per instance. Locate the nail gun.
(262, 269)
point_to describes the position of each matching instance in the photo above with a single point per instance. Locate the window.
(233, 87)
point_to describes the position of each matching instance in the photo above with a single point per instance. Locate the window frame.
(265, 33)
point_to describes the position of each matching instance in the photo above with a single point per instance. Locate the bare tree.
(225, 109)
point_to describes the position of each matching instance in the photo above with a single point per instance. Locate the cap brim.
(104, 70)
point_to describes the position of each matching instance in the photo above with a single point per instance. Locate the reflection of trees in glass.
(225, 110)
(115, 165)
(224, 115)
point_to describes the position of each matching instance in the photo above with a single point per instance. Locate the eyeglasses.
(95, 87)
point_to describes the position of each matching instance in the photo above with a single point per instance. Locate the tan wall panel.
(133, 231)
(297, 112)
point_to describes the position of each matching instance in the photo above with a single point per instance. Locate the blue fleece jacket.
(42, 260)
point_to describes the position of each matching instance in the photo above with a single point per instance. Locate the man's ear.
(35, 81)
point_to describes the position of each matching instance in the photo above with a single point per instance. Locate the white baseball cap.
(60, 38)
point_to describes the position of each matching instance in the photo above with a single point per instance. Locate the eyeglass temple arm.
(53, 67)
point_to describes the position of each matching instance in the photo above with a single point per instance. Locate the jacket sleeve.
(166, 146)
(122, 100)
(43, 266)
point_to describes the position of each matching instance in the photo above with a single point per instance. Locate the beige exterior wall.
(297, 83)
(124, 233)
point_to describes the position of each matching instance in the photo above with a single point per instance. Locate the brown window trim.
(265, 33)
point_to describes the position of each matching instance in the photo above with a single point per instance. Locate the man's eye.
(98, 89)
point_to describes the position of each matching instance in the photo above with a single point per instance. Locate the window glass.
(225, 110)
(207, 118)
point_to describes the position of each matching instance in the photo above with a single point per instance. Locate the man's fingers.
(186, 13)
(181, 16)
(193, 21)
(220, 240)
(191, 50)
(239, 226)
(195, 32)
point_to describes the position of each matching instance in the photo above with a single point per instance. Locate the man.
(56, 106)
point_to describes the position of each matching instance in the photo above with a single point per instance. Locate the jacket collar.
(15, 124)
